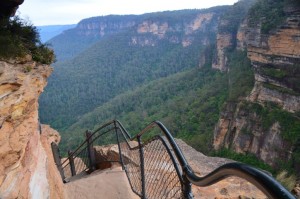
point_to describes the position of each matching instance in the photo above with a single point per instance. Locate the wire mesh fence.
(153, 163)
(161, 177)
(149, 165)
(131, 162)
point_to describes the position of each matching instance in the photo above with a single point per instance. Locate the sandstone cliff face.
(146, 26)
(24, 158)
(172, 32)
(227, 33)
(275, 58)
(100, 26)
(223, 42)
(241, 130)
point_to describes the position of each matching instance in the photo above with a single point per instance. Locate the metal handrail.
(268, 185)
(261, 180)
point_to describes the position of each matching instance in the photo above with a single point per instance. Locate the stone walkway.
(106, 184)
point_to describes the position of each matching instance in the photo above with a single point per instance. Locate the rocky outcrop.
(56, 186)
(8, 8)
(108, 156)
(156, 28)
(199, 22)
(262, 94)
(26, 163)
(101, 26)
(228, 33)
(105, 154)
(224, 41)
(241, 130)
(275, 58)
(150, 30)
(181, 32)
(160, 28)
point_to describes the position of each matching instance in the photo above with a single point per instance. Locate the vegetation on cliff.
(289, 123)
(19, 38)
(232, 18)
(270, 13)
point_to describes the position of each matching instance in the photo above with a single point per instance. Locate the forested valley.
(190, 69)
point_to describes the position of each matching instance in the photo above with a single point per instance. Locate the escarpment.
(265, 123)
(27, 169)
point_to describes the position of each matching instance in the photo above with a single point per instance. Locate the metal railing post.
(120, 152)
(72, 165)
(91, 152)
(187, 187)
(57, 159)
(142, 168)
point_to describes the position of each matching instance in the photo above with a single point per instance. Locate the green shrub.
(271, 113)
(273, 72)
(269, 12)
(286, 179)
(19, 38)
(280, 89)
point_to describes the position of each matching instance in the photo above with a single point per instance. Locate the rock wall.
(25, 161)
(8, 8)
(241, 130)
(223, 42)
(179, 33)
(101, 26)
(275, 58)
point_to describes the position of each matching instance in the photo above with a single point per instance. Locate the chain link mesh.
(161, 177)
(162, 180)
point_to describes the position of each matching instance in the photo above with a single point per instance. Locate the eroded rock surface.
(275, 58)
(27, 169)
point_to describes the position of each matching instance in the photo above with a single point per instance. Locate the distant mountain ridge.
(88, 31)
(50, 31)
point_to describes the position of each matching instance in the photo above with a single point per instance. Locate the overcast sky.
(55, 12)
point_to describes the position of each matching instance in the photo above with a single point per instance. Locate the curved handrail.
(85, 141)
(260, 179)
(269, 186)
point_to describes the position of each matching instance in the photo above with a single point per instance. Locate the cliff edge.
(266, 122)
(27, 169)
